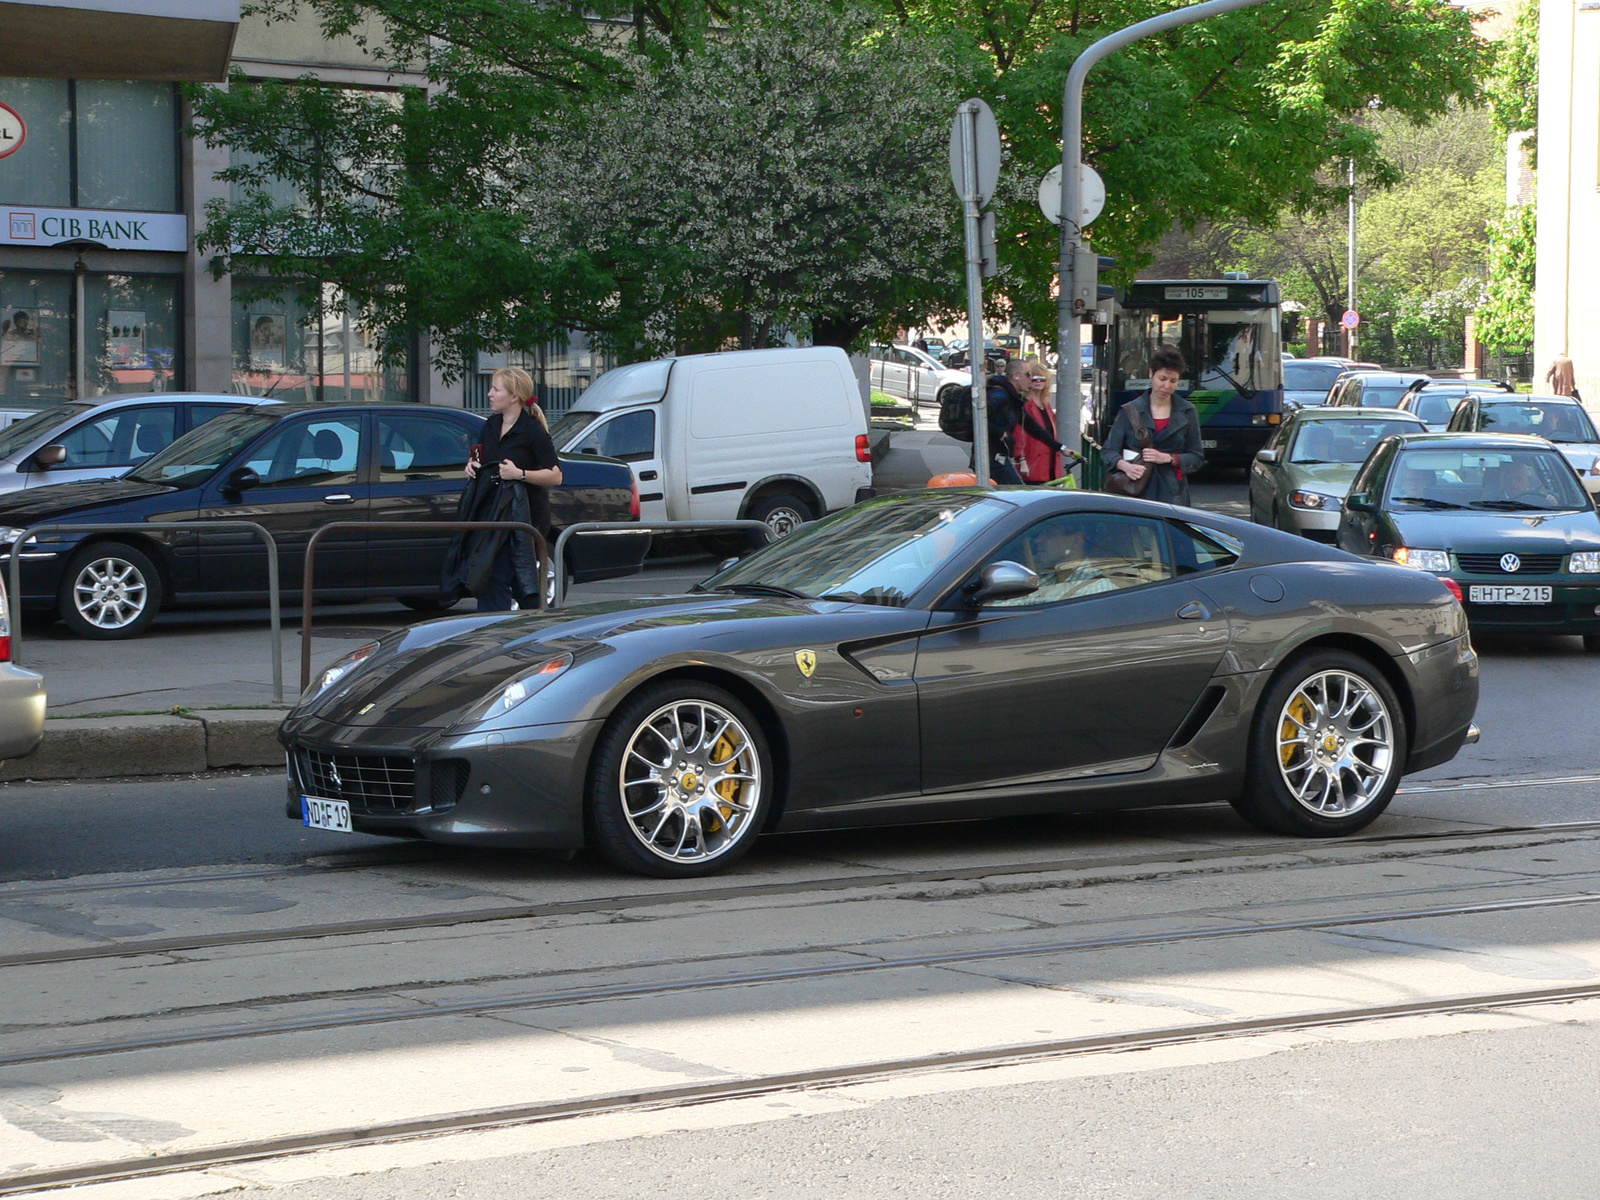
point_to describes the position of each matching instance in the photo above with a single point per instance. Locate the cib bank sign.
(113, 230)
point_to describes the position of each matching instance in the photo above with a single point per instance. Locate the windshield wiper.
(1425, 501)
(1511, 505)
(1312, 462)
(763, 589)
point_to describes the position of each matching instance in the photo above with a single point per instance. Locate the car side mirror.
(1267, 456)
(52, 455)
(726, 563)
(242, 478)
(1359, 502)
(1002, 580)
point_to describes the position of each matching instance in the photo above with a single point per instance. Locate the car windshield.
(1344, 441)
(195, 456)
(569, 424)
(1485, 480)
(879, 552)
(18, 437)
(1310, 376)
(1553, 420)
(1382, 395)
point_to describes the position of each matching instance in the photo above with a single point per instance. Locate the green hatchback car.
(1299, 480)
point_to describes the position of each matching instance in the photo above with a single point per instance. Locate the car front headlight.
(1314, 501)
(10, 534)
(519, 689)
(1585, 562)
(338, 671)
(1422, 560)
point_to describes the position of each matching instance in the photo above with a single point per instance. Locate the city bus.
(1228, 331)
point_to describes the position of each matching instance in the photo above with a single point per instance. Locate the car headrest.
(327, 445)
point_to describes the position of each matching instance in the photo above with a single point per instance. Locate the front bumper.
(515, 788)
(22, 707)
(1320, 525)
(1233, 445)
(1574, 608)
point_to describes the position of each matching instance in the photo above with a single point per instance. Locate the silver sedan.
(1298, 482)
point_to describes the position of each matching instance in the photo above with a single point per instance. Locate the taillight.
(633, 501)
(1453, 586)
(5, 628)
(863, 448)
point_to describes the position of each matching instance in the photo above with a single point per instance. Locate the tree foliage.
(1513, 90)
(1505, 321)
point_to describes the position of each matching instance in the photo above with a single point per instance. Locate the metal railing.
(18, 553)
(311, 546)
(624, 527)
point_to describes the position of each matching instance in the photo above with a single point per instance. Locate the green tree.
(1505, 321)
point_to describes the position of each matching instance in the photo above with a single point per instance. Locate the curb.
(111, 747)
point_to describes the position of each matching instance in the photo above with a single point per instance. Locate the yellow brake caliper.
(1300, 710)
(728, 789)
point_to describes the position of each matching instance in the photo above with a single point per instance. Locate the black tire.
(1591, 643)
(783, 512)
(616, 829)
(427, 604)
(110, 590)
(1333, 753)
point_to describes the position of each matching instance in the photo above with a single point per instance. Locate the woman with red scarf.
(1038, 451)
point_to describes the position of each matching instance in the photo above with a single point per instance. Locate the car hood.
(1581, 455)
(1481, 532)
(435, 674)
(1332, 478)
(32, 505)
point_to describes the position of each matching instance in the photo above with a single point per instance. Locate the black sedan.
(937, 655)
(291, 468)
(1501, 520)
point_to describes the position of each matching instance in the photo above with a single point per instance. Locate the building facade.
(1566, 299)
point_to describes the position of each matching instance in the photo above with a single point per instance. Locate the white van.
(771, 435)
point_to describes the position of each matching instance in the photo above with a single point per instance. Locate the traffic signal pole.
(1074, 302)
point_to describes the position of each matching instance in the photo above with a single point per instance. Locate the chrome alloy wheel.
(1335, 744)
(110, 593)
(691, 781)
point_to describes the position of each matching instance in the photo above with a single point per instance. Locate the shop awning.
(118, 39)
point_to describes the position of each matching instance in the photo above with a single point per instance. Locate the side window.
(905, 358)
(122, 438)
(322, 452)
(630, 437)
(199, 414)
(1280, 436)
(1370, 473)
(1084, 554)
(420, 447)
(1197, 549)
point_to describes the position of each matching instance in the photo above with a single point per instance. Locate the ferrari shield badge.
(806, 660)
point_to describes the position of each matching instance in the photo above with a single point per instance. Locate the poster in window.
(19, 338)
(124, 338)
(269, 336)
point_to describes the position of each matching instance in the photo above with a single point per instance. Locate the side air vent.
(448, 780)
(1198, 716)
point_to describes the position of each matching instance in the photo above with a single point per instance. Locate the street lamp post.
(1070, 310)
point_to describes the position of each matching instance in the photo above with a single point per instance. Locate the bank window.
(120, 439)
(283, 350)
(412, 448)
(125, 134)
(321, 453)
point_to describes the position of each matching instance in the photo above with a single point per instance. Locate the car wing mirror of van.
(52, 455)
(241, 479)
(1359, 502)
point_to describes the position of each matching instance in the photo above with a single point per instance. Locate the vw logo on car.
(1510, 563)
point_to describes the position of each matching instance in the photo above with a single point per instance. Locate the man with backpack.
(1005, 398)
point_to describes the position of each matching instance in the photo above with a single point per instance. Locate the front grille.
(1489, 564)
(368, 781)
(448, 779)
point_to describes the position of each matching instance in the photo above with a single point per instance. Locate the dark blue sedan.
(1502, 519)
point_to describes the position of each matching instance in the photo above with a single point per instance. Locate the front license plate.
(1208, 445)
(325, 814)
(1479, 594)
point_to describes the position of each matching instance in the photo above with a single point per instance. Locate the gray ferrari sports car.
(938, 655)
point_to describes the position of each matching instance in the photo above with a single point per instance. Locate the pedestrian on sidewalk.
(1005, 395)
(1561, 378)
(1040, 455)
(1174, 427)
(510, 480)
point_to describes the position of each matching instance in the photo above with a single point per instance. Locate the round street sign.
(13, 130)
(1350, 319)
(1093, 190)
(988, 131)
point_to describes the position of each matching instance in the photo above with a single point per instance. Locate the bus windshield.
(1228, 350)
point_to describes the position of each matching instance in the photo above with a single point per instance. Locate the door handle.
(646, 475)
(1194, 611)
(339, 498)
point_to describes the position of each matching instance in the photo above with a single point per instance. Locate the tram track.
(345, 1018)
(750, 1087)
(1314, 851)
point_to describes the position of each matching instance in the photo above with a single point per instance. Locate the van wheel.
(783, 512)
(110, 590)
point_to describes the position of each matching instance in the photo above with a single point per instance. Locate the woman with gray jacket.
(1174, 434)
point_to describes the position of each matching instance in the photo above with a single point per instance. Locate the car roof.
(1385, 376)
(1355, 411)
(282, 409)
(1479, 441)
(1521, 398)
